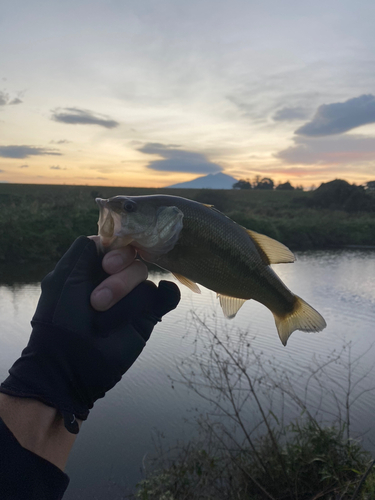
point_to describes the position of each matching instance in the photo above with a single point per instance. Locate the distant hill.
(210, 181)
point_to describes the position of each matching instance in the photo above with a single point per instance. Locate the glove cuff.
(50, 370)
(11, 387)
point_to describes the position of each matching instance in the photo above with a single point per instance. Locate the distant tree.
(370, 185)
(256, 180)
(341, 195)
(286, 186)
(242, 184)
(265, 183)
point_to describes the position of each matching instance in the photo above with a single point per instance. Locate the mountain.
(210, 181)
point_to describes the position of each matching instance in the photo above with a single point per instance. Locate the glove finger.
(85, 263)
(79, 267)
(143, 307)
(169, 296)
(128, 310)
(122, 348)
(83, 250)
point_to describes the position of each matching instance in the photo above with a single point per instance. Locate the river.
(115, 443)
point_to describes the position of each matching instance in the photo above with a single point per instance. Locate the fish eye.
(130, 206)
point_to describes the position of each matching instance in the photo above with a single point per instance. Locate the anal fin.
(185, 281)
(230, 305)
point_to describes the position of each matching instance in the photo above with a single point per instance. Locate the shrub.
(242, 184)
(246, 450)
(285, 187)
(339, 194)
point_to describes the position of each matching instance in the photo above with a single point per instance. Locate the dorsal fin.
(230, 305)
(271, 251)
(185, 281)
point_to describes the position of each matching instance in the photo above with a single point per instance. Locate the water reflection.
(118, 435)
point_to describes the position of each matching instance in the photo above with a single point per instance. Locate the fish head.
(143, 221)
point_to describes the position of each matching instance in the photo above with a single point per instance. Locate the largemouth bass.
(199, 244)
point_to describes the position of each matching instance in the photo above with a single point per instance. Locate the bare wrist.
(38, 428)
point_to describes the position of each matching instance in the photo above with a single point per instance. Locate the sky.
(156, 92)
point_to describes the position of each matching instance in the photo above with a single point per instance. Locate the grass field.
(39, 222)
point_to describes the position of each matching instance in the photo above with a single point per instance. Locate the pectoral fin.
(271, 251)
(185, 281)
(230, 305)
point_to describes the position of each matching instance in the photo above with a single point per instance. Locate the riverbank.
(39, 222)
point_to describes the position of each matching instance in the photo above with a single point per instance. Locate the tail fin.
(303, 317)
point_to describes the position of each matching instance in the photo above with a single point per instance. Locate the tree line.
(264, 183)
(267, 183)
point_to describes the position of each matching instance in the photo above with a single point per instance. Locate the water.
(119, 436)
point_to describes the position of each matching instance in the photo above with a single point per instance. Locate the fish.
(202, 246)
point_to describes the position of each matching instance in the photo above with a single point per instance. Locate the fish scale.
(218, 253)
(201, 245)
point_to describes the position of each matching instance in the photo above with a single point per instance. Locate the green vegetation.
(257, 183)
(285, 186)
(39, 222)
(247, 450)
(318, 463)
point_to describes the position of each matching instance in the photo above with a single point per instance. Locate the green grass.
(318, 463)
(39, 222)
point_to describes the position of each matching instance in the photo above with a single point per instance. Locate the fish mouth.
(101, 202)
(109, 224)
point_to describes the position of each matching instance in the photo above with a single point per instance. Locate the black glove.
(75, 353)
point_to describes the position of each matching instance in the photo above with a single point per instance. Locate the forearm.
(38, 428)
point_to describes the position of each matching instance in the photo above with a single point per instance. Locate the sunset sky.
(155, 92)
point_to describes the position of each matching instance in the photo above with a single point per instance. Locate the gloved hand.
(75, 353)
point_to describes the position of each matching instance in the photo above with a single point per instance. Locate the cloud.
(5, 99)
(57, 167)
(16, 100)
(76, 116)
(291, 114)
(61, 141)
(25, 151)
(23, 166)
(340, 117)
(177, 160)
(329, 150)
